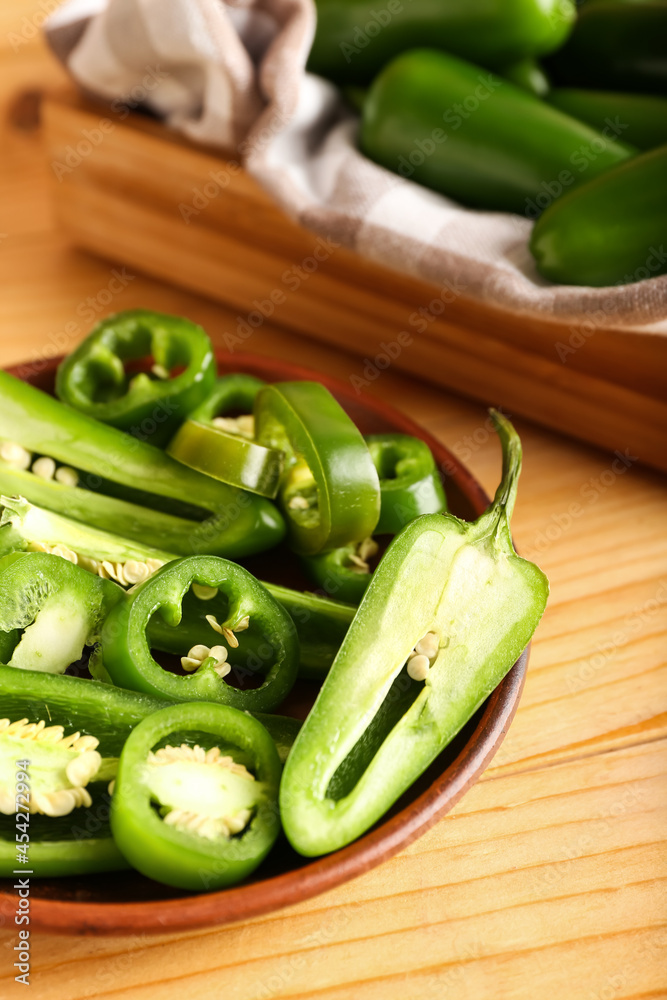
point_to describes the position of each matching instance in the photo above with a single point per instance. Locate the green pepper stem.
(499, 514)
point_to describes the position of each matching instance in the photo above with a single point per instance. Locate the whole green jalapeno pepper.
(354, 39)
(233, 523)
(609, 231)
(194, 816)
(450, 608)
(329, 492)
(466, 133)
(93, 378)
(615, 46)
(641, 118)
(126, 655)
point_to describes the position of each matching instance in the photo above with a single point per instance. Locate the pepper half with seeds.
(273, 655)
(94, 380)
(26, 527)
(224, 520)
(195, 817)
(451, 606)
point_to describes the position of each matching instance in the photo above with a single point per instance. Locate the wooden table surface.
(549, 877)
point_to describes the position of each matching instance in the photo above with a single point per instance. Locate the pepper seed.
(44, 467)
(67, 476)
(15, 455)
(203, 592)
(418, 667)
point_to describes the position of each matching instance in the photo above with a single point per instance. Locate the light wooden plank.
(529, 867)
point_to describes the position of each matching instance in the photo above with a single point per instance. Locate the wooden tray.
(128, 903)
(127, 184)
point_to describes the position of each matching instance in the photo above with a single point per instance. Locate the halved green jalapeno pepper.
(80, 841)
(93, 378)
(419, 121)
(329, 491)
(223, 446)
(126, 655)
(610, 231)
(234, 523)
(194, 817)
(26, 527)
(451, 606)
(355, 39)
(642, 117)
(58, 606)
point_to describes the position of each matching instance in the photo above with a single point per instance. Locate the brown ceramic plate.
(126, 902)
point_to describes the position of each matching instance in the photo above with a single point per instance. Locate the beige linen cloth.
(232, 75)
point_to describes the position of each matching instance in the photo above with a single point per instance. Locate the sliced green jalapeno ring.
(233, 523)
(194, 817)
(272, 653)
(93, 378)
(54, 609)
(63, 719)
(410, 484)
(450, 607)
(343, 573)
(329, 491)
(223, 446)
(231, 393)
(228, 456)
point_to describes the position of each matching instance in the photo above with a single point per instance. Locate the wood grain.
(549, 876)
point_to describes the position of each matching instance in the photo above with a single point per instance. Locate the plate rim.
(382, 842)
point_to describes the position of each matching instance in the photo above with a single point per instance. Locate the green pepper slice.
(330, 491)
(227, 456)
(196, 820)
(343, 573)
(80, 842)
(93, 378)
(498, 156)
(410, 485)
(126, 655)
(452, 606)
(235, 392)
(222, 446)
(58, 606)
(320, 626)
(234, 523)
(611, 230)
